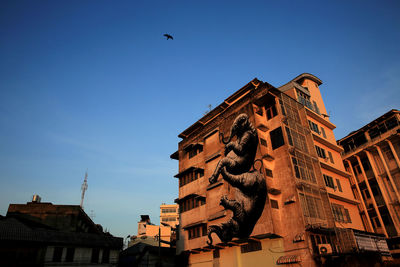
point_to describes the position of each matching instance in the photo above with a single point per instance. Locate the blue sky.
(95, 85)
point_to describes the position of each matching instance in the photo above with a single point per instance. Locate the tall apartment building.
(169, 214)
(308, 212)
(372, 155)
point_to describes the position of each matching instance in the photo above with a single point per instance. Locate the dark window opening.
(106, 256)
(339, 186)
(95, 255)
(57, 254)
(268, 172)
(70, 255)
(195, 150)
(330, 157)
(251, 246)
(320, 152)
(289, 136)
(323, 132)
(274, 204)
(329, 181)
(391, 123)
(276, 138)
(313, 127)
(263, 142)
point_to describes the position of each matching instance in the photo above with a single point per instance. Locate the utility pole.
(84, 188)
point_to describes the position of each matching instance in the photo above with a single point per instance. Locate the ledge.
(212, 186)
(325, 142)
(321, 120)
(333, 169)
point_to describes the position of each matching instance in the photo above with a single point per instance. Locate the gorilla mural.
(251, 189)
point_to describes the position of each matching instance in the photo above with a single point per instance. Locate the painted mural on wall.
(251, 190)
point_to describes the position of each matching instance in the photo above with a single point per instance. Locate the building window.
(391, 123)
(106, 256)
(316, 109)
(268, 172)
(168, 219)
(303, 168)
(296, 139)
(320, 152)
(251, 246)
(323, 132)
(197, 231)
(95, 255)
(329, 181)
(195, 150)
(57, 254)
(190, 177)
(311, 204)
(168, 210)
(276, 138)
(313, 127)
(274, 204)
(330, 157)
(70, 255)
(271, 112)
(192, 203)
(340, 214)
(263, 142)
(339, 186)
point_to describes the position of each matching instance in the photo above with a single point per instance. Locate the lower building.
(150, 233)
(27, 239)
(372, 154)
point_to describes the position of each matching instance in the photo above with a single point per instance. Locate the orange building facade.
(372, 155)
(310, 215)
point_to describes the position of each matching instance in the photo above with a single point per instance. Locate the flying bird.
(168, 36)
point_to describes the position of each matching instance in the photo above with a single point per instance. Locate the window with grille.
(190, 177)
(303, 167)
(329, 181)
(313, 127)
(311, 204)
(340, 213)
(320, 152)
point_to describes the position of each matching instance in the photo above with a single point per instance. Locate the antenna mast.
(84, 188)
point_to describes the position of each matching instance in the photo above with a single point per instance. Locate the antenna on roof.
(84, 188)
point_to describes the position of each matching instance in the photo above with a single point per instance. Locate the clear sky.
(94, 85)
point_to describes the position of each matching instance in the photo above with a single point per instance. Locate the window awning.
(192, 145)
(178, 200)
(175, 155)
(190, 169)
(288, 259)
(190, 225)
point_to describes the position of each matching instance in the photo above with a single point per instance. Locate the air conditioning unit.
(324, 249)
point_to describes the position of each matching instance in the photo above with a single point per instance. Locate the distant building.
(149, 233)
(169, 214)
(43, 234)
(372, 154)
(309, 216)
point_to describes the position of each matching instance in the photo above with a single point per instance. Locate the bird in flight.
(168, 36)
